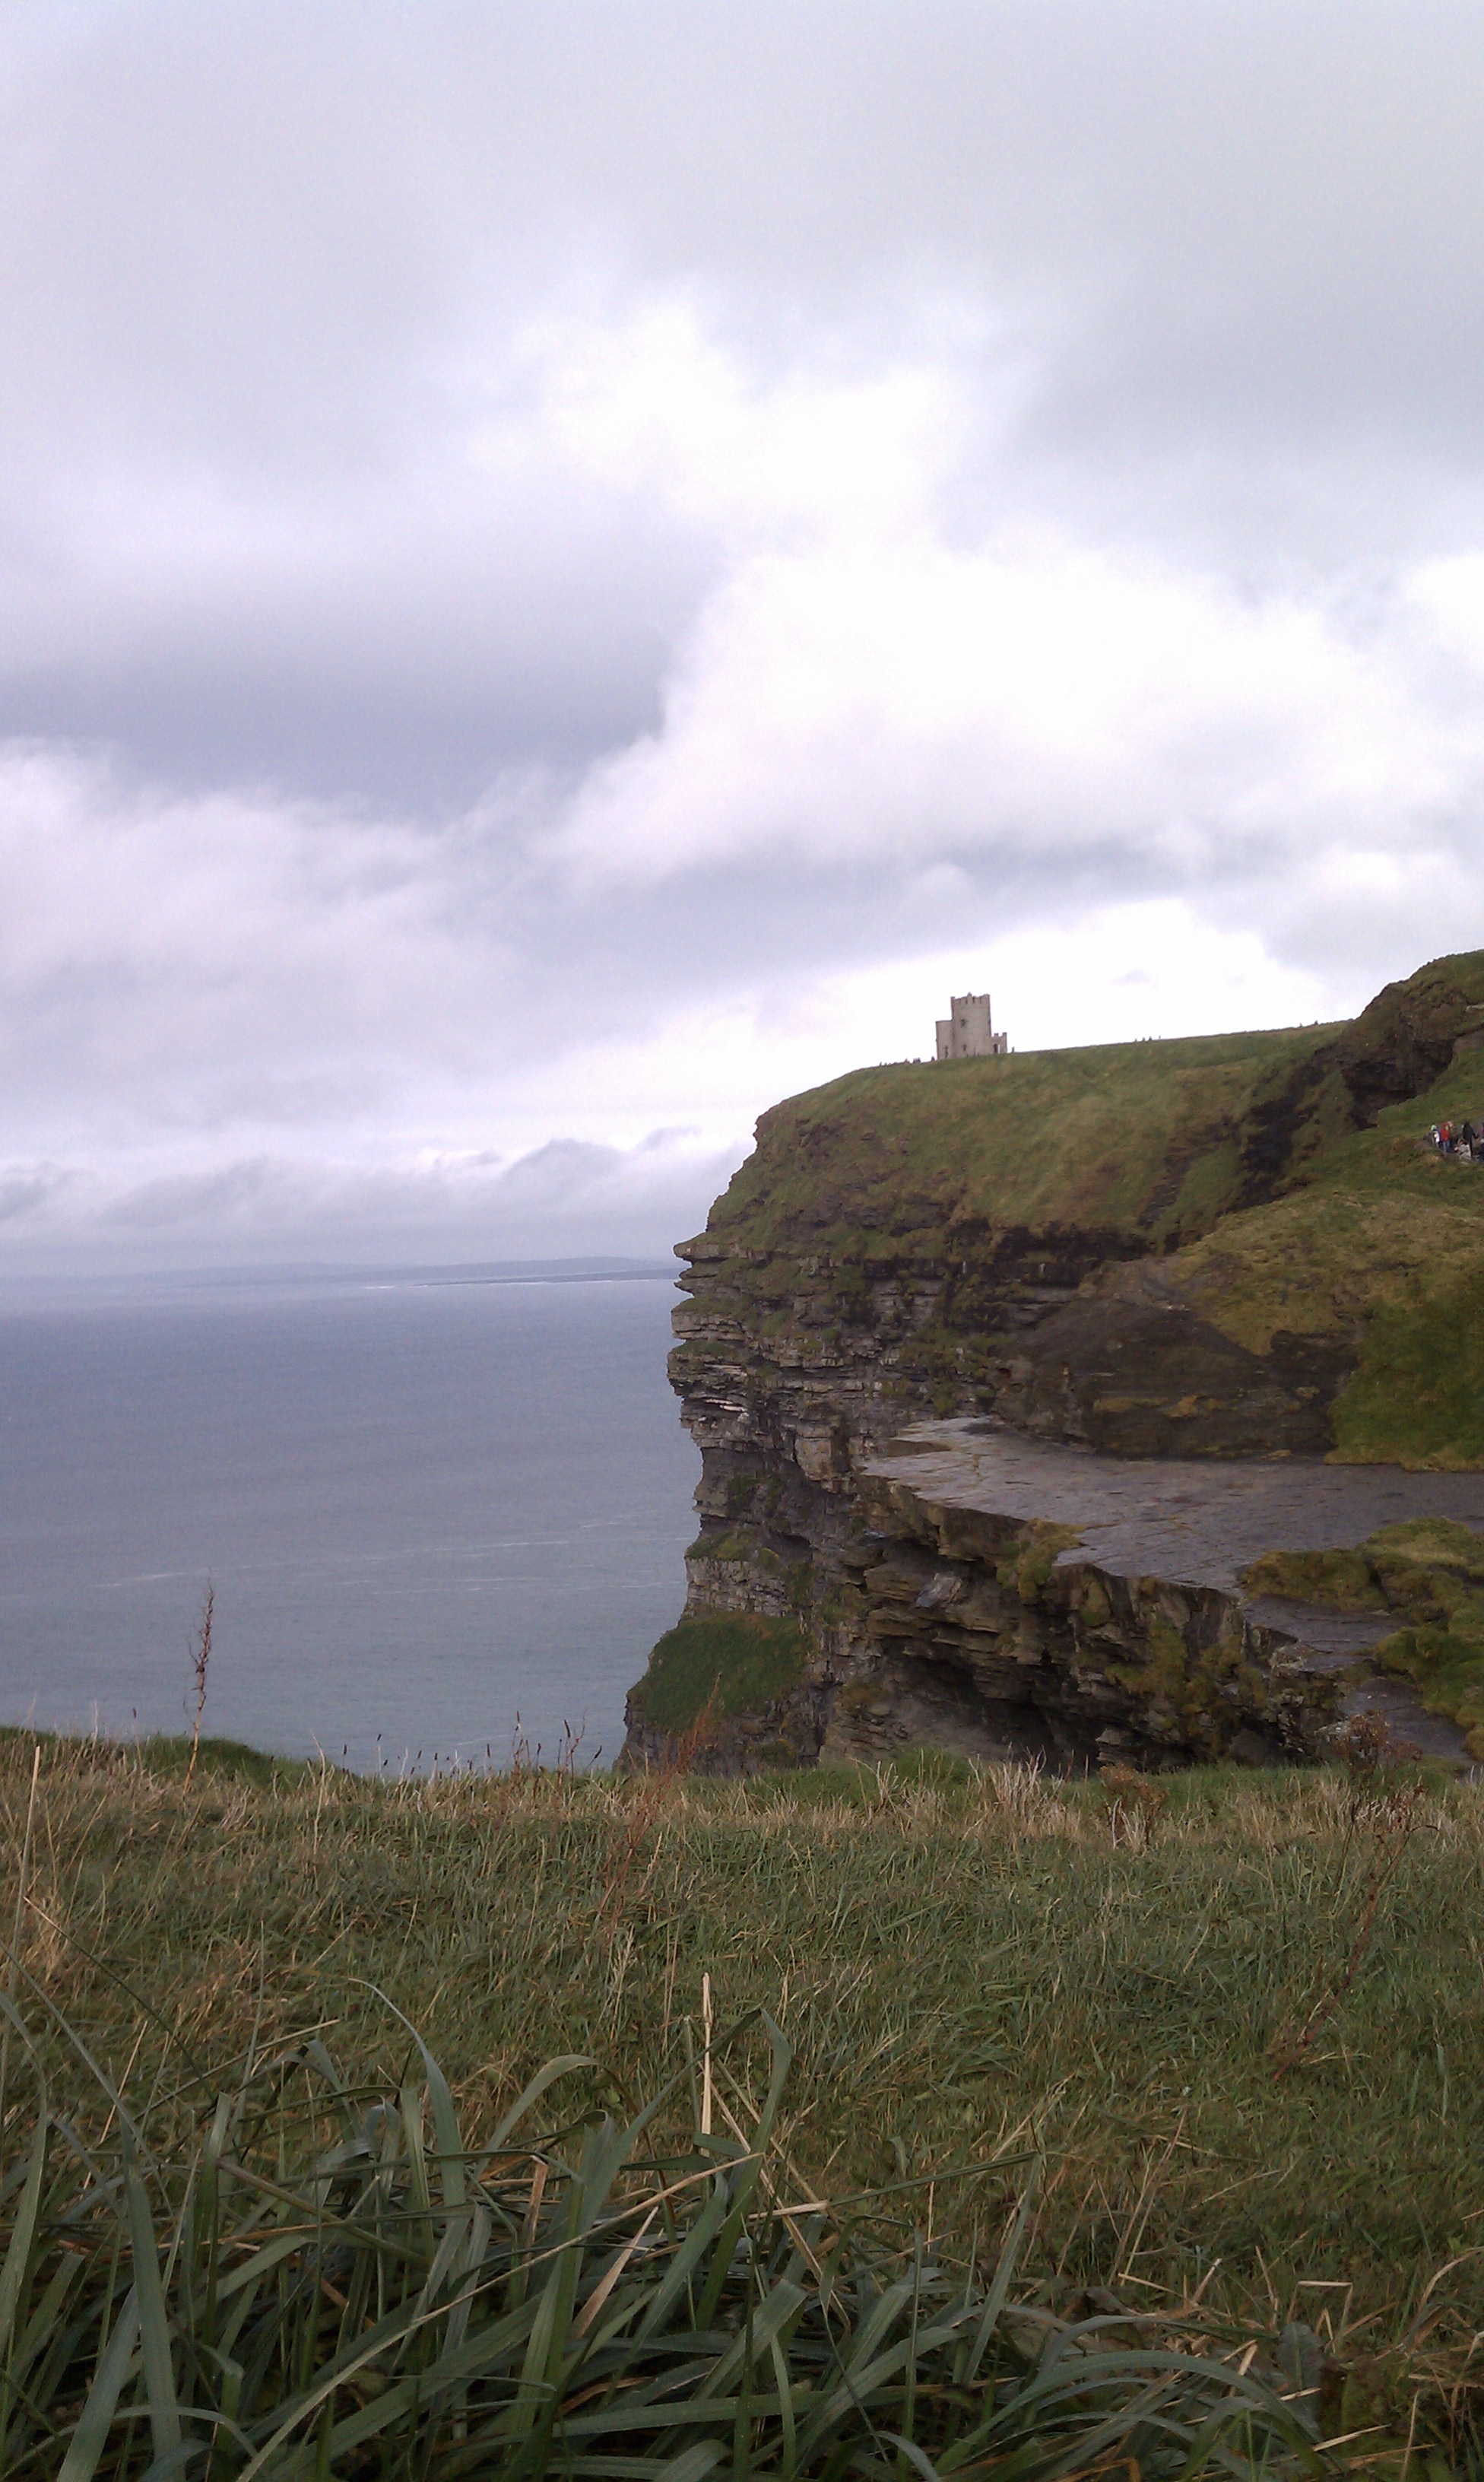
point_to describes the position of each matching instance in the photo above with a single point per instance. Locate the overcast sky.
(568, 570)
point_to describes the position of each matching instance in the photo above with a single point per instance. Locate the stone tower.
(967, 1034)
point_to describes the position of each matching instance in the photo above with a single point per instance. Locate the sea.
(441, 1514)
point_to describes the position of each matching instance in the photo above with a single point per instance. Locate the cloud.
(565, 571)
(28, 1189)
(654, 401)
(1027, 703)
(202, 959)
(563, 1199)
(866, 684)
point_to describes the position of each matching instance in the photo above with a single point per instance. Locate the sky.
(568, 570)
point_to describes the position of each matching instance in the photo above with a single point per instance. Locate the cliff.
(1213, 1254)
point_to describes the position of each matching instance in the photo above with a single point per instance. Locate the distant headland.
(1248, 1251)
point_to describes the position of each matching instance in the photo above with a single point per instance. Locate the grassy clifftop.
(1114, 1136)
(1274, 1191)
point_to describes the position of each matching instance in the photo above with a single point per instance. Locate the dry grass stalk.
(1382, 1819)
(201, 1666)
(1137, 1803)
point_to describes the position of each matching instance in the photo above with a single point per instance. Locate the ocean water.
(435, 1514)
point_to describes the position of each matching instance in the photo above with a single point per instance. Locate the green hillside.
(1121, 1136)
(1275, 1190)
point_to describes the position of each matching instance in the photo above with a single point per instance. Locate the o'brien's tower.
(968, 1034)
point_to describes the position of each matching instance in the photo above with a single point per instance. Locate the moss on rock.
(733, 1545)
(735, 1662)
(1429, 1572)
(1037, 1548)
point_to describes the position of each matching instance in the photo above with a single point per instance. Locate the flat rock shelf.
(1198, 1525)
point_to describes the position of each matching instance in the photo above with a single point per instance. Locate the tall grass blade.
(693, 2467)
(91, 2436)
(999, 2287)
(529, 2096)
(153, 2317)
(914, 2455)
(18, 2257)
(445, 2121)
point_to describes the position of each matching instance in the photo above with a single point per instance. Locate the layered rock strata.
(971, 1591)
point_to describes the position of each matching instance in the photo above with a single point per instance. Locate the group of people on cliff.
(1459, 1139)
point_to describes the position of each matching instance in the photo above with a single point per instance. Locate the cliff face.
(1207, 1249)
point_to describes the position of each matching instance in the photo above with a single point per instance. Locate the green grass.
(573, 2301)
(966, 1966)
(166, 1756)
(733, 1663)
(1055, 1139)
(1419, 1392)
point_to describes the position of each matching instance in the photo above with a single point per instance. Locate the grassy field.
(1238, 2019)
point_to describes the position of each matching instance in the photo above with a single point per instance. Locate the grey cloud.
(264, 267)
(1288, 185)
(517, 526)
(28, 1189)
(219, 1196)
(561, 1199)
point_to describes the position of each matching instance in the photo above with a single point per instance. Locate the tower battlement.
(967, 1033)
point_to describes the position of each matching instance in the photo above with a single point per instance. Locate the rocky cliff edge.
(1215, 1252)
